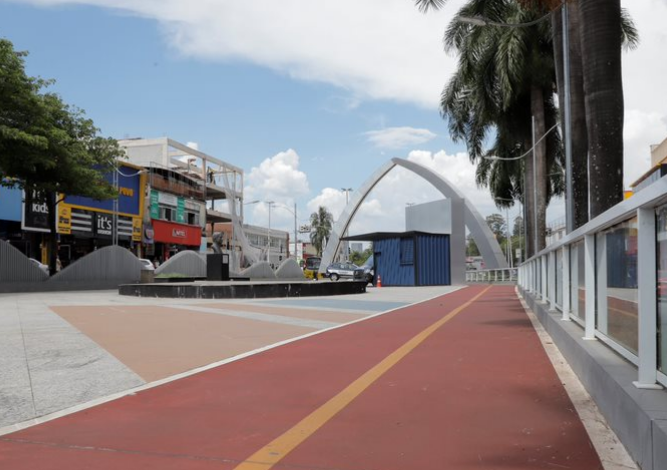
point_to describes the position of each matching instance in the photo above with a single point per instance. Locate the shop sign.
(35, 213)
(155, 204)
(169, 232)
(130, 188)
(148, 234)
(64, 219)
(180, 211)
(104, 225)
(168, 199)
(136, 229)
(10, 203)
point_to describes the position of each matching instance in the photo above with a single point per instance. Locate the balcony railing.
(610, 277)
(492, 275)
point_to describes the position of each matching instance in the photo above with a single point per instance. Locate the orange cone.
(379, 283)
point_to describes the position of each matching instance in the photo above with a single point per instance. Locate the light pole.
(268, 234)
(346, 245)
(293, 212)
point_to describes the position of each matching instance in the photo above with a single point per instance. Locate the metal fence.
(610, 277)
(185, 263)
(17, 267)
(493, 275)
(105, 268)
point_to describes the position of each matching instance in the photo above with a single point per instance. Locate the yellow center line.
(276, 450)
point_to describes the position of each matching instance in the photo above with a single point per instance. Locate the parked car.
(369, 270)
(146, 264)
(41, 266)
(336, 271)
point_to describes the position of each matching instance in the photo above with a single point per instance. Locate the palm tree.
(504, 79)
(582, 115)
(321, 223)
(503, 178)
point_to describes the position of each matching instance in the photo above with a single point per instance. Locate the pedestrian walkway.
(457, 382)
(60, 350)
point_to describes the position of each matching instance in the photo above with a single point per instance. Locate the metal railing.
(493, 275)
(607, 277)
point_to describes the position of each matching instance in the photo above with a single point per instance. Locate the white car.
(41, 266)
(146, 265)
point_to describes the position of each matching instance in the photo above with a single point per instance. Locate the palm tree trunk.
(577, 108)
(541, 178)
(600, 33)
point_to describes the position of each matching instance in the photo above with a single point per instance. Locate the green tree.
(471, 247)
(502, 88)
(46, 146)
(321, 223)
(506, 74)
(360, 257)
(496, 223)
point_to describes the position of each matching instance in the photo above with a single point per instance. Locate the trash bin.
(147, 276)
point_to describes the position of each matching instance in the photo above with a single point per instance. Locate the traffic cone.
(379, 283)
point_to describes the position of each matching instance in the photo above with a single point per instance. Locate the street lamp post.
(268, 234)
(293, 212)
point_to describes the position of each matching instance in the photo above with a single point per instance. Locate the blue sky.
(296, 90)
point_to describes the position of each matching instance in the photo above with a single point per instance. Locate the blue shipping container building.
(410, 258)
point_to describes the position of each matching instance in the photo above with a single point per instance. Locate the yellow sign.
(136, 229)
(64, 219)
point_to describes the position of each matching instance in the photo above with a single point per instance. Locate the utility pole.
(268, 234)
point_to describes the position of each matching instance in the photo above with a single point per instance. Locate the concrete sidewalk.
(461, 381)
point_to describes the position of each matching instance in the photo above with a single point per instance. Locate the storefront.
(85, 225)
(171, 237)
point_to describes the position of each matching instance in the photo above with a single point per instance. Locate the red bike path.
(456, 382)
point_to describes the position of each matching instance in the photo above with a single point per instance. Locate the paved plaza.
(64, 349)
(429, 378)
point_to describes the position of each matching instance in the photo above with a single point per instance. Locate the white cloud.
(379, 49)
(399, 137)
(641, 130)
(277, 177)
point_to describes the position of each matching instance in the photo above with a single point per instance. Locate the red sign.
(178, 234)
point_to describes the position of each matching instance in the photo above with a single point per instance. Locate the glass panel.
(577, 280)
(559, 277)
(618, 271)
(661, 235)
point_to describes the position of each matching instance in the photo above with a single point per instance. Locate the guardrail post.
(566, 283)
(602, 283)
(552, 281)
(648, 308)
(543, 278)
(589, 276)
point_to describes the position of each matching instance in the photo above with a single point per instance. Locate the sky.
(308, 97)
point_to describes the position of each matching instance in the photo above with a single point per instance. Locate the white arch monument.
(479, 230)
